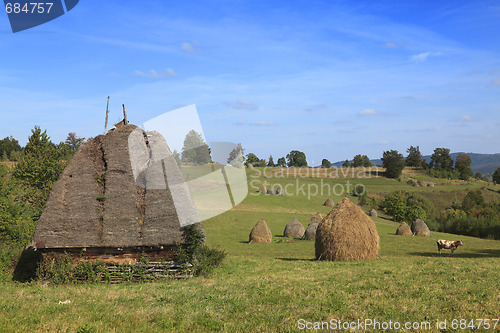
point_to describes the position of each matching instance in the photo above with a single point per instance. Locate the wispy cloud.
(263, 123)
(243, 104)
(496, 82)
(422, 57)
(465, 117)
(240, 123)
(390, 45)
(190, 47)
(154, 74)
(367, 112)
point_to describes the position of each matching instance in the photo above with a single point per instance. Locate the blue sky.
(330, 78)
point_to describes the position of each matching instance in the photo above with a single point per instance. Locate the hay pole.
(107, 113)
(125, 121)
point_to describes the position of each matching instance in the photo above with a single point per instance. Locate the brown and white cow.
(449, 245)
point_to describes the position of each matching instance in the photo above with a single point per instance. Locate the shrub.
(404, 206)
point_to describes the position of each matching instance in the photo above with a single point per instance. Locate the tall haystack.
(316, 218)
(404, 230)
(271, 190)
(310, 233)
(373, 213)
(280, 191)
(260, 233)
(294, 229)
(329, 203)
(346, 233)
(419, 228)
(262, 189)
(98, 207)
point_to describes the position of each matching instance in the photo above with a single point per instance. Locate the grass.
(269, 287)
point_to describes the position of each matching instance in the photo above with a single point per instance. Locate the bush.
(404, 206)
(482, 226)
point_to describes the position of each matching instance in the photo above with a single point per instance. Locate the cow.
(449, 245)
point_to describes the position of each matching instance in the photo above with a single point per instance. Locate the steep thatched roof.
(260, 233)
(419, 228)
(294, 229)
(310, 233)
(316, 218)
(329, 203)
(404, 230)
(346, 233)
(373, 213)
(97, 203)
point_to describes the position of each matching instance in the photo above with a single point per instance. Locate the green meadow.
(279, 287)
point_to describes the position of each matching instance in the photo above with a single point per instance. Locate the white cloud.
(187, 47)
(420, 57)
(496, 82)
(383, 142)
(262, 123)
(240, 123)
(390, 45)
(465, 117)
(243, 104)
(367, 112)
(153, 73)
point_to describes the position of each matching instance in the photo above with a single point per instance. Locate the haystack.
(310, 233)
(346, 233)
(419, 228)
(404, 230)
(316, 218)
(250, 165)
(373, 213)
(329, 203)
(262, 189)
(271, 190)
(280, 191)
(294, 229)
(260, 233)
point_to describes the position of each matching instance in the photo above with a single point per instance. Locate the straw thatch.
(310, 233)
(419, 228)
(260, 233)
(316, 218)
(97, 202)
(262, 189)
(404, 230)
(329, 203)
(294, 229)
(346, 233)
(280, 191)
(373, 213)
(271, 190)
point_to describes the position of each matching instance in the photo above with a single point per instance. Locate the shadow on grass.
(27, 265)
(296, 259)
(487, 253)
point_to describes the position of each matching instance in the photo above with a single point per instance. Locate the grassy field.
(272, 287)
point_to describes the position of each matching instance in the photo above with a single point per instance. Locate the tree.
(326, 163)
(414, 158)
(271, 161)
(496, 176)
(73, 141)
(252, 159)
(39, 168)
(462, 165)
(281, 162)
(393, 163)
(346, 164)
(195, 150)
(8, 146)
(366, 161)
(297, 159)
(441, 159)
(235, 157)
(361, 161)
(177, 157)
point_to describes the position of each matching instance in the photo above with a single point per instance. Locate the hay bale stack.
(419, 228)
(373, 213)
(260, 233)
(280, 191)
(310, 233)
(262, 189)
(294, 229)
(271, 190)
(316, 218)
(404, 230)
(346, 233)
(329, 203)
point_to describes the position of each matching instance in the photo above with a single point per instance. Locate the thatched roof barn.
(294, 229)
(404, 230)
(329, 203)
(98, 206)
(310, 233)
(419, 228)
(271, 190)
(346, 233)
(260, 233)
(373, 213)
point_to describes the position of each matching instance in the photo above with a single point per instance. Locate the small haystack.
(260, 233)
(262, 189)
(373, 213)
(271, 190)
(316, 218)
(329, 203)
(346, 233)
(419, 228)
(280, 191)
(294, 229)
(250, 165)
(404, 230)
(310, 233)
(430, 184)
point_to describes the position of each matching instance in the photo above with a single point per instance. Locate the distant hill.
(484, 163)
